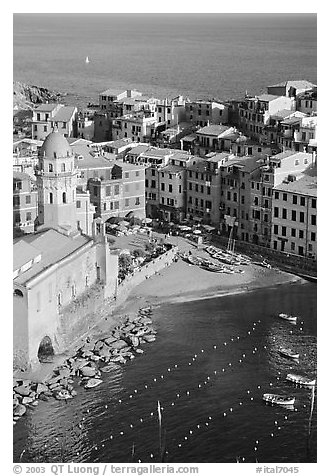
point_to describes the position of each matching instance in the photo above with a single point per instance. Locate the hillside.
(26, 97)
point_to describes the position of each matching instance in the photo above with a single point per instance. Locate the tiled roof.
(53, 247)
(282, 114)
(267, 97)
(157, 152)
(23, 253)
(65, 114)
(175, 169)
(112, 92)
(139, 149)
(47, 107)
(213, 129)
(307, 185)
(87, 160)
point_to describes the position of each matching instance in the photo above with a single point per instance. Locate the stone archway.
(45, 350)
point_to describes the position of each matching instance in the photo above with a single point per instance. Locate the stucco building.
(47, 116)
(25, 203)
(294, 217)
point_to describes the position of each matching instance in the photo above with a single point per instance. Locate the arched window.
(62, 167)
(50, 168)
(64, 197)
(18, 292)
(59, 299)
(50, 198)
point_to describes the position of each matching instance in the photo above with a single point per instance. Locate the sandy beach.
(184, 282)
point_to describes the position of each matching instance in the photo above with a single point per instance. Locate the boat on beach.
(93, 382)
(301, 380)
(287, 317)
(278, 399)
(289, 353)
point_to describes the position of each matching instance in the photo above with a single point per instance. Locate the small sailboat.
(287, 317)
(87, 60)
(289, 353)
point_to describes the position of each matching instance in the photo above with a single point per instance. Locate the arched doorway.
(45, 351)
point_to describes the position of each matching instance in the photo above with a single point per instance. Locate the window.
(313, 236)
(276, 212)
(126, 187)
(62, 167)
(276, 195)
(302, 201)
(228, 196)
(126, 202)
(16, 201)
(293, 215)
(78, 204)
(294, 199)
(208, 190)
(64, 197)
(284, 213)
(73, 290)
(313, 219)
(104, 206)
(108, 190)
(126, 174)
(235, 197)
(153, 183)
(301, 234)
(313, 202)
(293, 232)
(190, 186)
(116, 190)
(285, 197)
(162, 186)
(283, 230)
(276, 229)
(28, 216)
(137, 173)
(137, 201)
(242, 199)
(170, 188)
(292, 246)
(301, 217)
(196, 187)
(50, 198)
(50, 168)
(275, 245)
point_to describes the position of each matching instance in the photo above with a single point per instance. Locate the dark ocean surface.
(212, 403)
(201, 55)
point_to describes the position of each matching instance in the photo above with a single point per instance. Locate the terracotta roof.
(213, 129)
(53, 247)
(65, 114)
(307, 185)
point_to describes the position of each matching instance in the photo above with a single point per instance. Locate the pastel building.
(48, 116)
(294, 217)
(121, 195)
(25, 202)
(203, 112)
(290, 88)
(212, 138)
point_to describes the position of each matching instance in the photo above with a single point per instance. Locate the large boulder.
(88, 371)
(23, 391)
(19, 410)
(119, 344)
(110, 340)
(64, 372)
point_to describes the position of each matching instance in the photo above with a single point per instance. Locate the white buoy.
(121, 432)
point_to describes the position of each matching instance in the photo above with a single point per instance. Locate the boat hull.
(278, 399)
(300, 380)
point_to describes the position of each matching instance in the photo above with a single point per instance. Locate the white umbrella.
(197, 232)
(146, 220)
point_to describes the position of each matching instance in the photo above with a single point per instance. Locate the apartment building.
(25, 203)
(290, 88)
(122, 194)
(138, 127)
(307, 102)
(294, 207)
(46, 117)
(255, 112)
(213, 138)
(203, 190)
(202, 112)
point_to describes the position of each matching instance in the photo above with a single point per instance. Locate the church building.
(63, 271)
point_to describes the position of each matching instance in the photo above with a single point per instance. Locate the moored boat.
(289, 353)
(93, 382)
(278, 399)
(301, 380)
(287, 317)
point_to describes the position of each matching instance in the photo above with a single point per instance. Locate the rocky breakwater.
(85, 368)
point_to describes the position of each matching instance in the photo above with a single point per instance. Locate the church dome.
(55, 146)
(241, 139)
